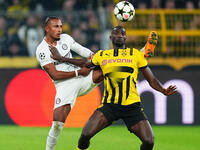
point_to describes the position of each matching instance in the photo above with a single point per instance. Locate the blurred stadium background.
(26, 92)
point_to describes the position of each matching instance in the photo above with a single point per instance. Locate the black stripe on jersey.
(116, 52)
(134, 82)
(101, 53)
(120, 84)
(105, 97)
(127, 86)
(106, 92)
(131, 51)
(126, 69)
(113, 91)
(120, 69)
(142, 67)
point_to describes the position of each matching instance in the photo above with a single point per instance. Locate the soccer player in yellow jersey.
(120, 67)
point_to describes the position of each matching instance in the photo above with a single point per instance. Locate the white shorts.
(68, 90)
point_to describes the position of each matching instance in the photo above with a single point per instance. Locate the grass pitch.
(111, 138)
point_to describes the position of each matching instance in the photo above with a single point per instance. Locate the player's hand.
(90, 57)
(170, 90)
(55, 54)
(84, 71)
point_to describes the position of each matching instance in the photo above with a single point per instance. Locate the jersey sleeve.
(79, 49)
(96, 58)
(43, 57)
(142, 62)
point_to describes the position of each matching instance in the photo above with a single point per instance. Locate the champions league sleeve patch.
(42, 56)
(58, 100)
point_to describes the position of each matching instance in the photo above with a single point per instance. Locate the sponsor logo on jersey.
(64, 47)
(106, 61)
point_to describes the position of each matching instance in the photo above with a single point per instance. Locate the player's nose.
(119, 35)
(60, 29)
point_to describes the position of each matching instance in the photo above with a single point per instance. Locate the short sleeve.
(43, 57)
(142, 63)
(96, 58)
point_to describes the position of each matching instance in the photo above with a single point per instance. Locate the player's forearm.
(77, 62)
(152, 80)
(60, 75)
(155, 84)
(89, 64)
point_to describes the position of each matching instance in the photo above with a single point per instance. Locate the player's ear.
(46, 28)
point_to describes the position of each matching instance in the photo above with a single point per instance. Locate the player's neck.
(50, 40)
(119, 47)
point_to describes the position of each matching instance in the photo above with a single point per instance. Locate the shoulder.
(103, 52)
(138, 52)
(66, 36)
(99, 51)
(42, 48)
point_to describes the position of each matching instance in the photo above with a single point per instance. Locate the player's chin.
(57, 38)
(119, 43)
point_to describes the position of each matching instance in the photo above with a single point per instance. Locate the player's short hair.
(117, 28)
(48, 19)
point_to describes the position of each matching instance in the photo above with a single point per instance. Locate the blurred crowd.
(21, 21)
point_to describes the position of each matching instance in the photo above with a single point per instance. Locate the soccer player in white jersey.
(70, 81)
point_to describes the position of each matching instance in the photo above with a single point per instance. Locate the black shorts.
(130, 114)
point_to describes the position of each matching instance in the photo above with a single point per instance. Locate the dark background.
(163, 73)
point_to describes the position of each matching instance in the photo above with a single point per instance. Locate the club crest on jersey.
(124, 52)
(41, 56)
(64, 47)
(58, 100)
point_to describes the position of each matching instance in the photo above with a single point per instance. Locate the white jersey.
(64, 46)
(66, 90)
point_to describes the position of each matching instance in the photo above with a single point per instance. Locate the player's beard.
(56, 39)
(119, 43)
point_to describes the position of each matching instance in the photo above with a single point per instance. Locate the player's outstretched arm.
(60, 75)
(56, 56)
(155, 84)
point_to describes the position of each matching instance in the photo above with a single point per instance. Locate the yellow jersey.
(120, 69)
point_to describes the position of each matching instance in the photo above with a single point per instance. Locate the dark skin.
(142, 129)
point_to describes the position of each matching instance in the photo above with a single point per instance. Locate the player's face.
(118, 37)
(54, 29)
